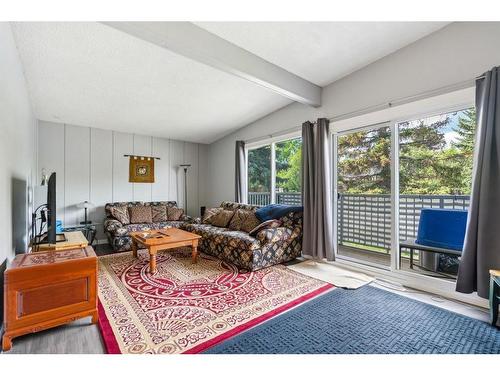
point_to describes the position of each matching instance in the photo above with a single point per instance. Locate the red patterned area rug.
(185, 307)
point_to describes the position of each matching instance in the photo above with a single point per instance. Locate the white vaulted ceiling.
(93, 75)
(322, 52)
(90, 74)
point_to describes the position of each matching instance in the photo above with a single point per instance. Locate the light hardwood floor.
(79, 337)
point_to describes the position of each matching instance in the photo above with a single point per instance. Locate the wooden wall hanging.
(141, 169)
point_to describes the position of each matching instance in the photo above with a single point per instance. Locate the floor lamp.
(185, 166)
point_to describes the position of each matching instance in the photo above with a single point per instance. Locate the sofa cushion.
(273, 223)
(244, 220)
(241, 240)
(209, 213)
(222, 218)
(140, 214)
(235, 206)
(159, 213)
(222, 237)
(174, 213)
(204, 229)
(120, 213)
(161, 203)
(150, 226)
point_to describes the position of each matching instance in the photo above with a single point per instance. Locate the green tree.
(420, 156)
(428, 164)
(259, 169)
(364, 162)
(288, 165)
(466, 130)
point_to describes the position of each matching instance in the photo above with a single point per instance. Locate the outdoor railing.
(365, 219)
(264, 198)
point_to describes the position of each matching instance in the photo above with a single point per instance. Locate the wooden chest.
(47, 289)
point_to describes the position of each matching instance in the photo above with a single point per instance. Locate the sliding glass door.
(385, 175)
(363, 201)
(435, 172)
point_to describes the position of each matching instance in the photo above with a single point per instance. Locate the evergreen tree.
(364, 162)
(259, 169)
(288, 165)
(466, 130)
(421, 144)
(428, 164)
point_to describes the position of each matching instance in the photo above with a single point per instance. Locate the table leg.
(194, 254)
(95, 317)
(6, 343)
(92, 235)
(152, 262)
(134, 249)
(494, 296)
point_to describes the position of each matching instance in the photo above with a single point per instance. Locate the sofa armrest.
(112, 226)
(272, 235)
(187, 218)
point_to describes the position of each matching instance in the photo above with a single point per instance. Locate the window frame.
(270, 141)
(420, 281)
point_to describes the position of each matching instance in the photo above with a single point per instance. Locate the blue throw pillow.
(276, 211)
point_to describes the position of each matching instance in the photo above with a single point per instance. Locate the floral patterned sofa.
(269, 246)
(118, 233)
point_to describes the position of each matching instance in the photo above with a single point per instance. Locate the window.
(274, 173)
(381, 190)
(259, 176)
(364, 196)
(435, 171)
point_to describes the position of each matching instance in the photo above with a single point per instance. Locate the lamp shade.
(85, 204)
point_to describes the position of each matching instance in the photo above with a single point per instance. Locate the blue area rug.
(365, 320)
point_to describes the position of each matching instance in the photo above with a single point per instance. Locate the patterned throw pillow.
(269, 224)
(159, 213)
(120, 213)
(140, 214)
(222, 218)
(174, 213)
(209, 214)
(244, 220)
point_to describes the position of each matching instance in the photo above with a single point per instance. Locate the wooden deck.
(384, 260)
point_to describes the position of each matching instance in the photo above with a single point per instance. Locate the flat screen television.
(51, 209)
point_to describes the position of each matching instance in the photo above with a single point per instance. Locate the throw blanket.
(276, 211)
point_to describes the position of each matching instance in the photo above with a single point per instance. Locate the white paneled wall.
(90, 166)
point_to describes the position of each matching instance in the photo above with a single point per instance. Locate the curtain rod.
(277, 134)
(408, 99)
(424, 95)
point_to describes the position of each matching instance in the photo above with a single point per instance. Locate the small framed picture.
(141, 169)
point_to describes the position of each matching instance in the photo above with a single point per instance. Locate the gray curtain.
(240, 189)
(482, 239)
(316, 191)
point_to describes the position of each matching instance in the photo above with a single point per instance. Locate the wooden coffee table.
(164, 239)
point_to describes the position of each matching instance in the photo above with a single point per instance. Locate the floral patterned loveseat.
(269, 246)
(118, 233)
